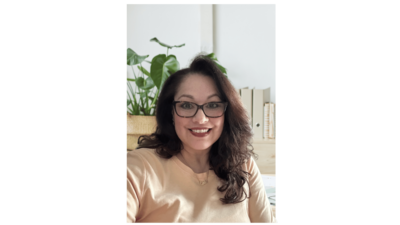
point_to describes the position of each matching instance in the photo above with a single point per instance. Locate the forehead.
(198, 86)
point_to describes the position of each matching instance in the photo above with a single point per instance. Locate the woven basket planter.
(139, 125)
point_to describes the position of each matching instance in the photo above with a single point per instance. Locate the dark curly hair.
(228, 154)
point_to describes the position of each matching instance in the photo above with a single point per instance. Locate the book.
(246, 96)
(275, 121)
(266, 121)
(260, 96)
(271, 123)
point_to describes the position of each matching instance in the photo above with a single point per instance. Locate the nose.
(200, 117)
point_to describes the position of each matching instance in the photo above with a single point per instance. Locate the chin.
(200, 147)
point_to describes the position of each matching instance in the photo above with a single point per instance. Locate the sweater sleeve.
(259, 206)
(135, 185)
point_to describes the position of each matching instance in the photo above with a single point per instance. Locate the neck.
(197, 161)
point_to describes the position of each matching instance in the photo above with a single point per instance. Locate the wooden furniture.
(267, 151)
(267, 162)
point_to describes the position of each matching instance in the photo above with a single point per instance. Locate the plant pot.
(137, 126)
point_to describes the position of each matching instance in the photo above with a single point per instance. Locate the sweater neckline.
(201, 177)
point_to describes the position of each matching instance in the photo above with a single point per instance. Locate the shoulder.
(250, 165)
(144, 159)
(138, 162)
(143, 155)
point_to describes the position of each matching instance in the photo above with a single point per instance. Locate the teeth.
(200, 131)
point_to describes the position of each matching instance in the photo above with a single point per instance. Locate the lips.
(200, 132)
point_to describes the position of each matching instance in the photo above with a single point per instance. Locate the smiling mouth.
(200, 131)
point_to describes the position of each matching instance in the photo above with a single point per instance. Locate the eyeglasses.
(189, 109)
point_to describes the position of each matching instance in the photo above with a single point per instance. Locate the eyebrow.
(191, 97)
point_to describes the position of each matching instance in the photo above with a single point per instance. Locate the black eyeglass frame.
(199, 107)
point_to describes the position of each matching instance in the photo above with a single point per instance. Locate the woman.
(197, 166)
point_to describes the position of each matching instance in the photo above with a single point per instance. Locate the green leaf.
(149, 83)
(223, 70)
(133, 58)
(142, 109)
(139, 82)
(165, 45)
(143, 94)
(130, 111)
(134, 103)
(147, 111)
(127, 102)
(129, 79)
(162, 67)
(214, 58)
(172, 64)
(144, 84)
(144, 71)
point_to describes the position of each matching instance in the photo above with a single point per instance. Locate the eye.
(186, 105)
(213, 105)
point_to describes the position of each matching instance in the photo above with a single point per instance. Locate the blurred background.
(241, 36)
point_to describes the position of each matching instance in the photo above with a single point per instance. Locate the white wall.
(244, 42)
(171, 24)
(244, 38)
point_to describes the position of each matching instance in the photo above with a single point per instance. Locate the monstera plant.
(144, 88)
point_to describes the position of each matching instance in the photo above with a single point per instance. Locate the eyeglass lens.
(212, 109)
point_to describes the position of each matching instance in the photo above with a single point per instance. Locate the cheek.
(220, 123)
(179, 124)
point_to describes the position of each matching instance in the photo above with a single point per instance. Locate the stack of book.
(261, 111)
(269, 120)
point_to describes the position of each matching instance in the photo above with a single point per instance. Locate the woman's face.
(198, 89)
